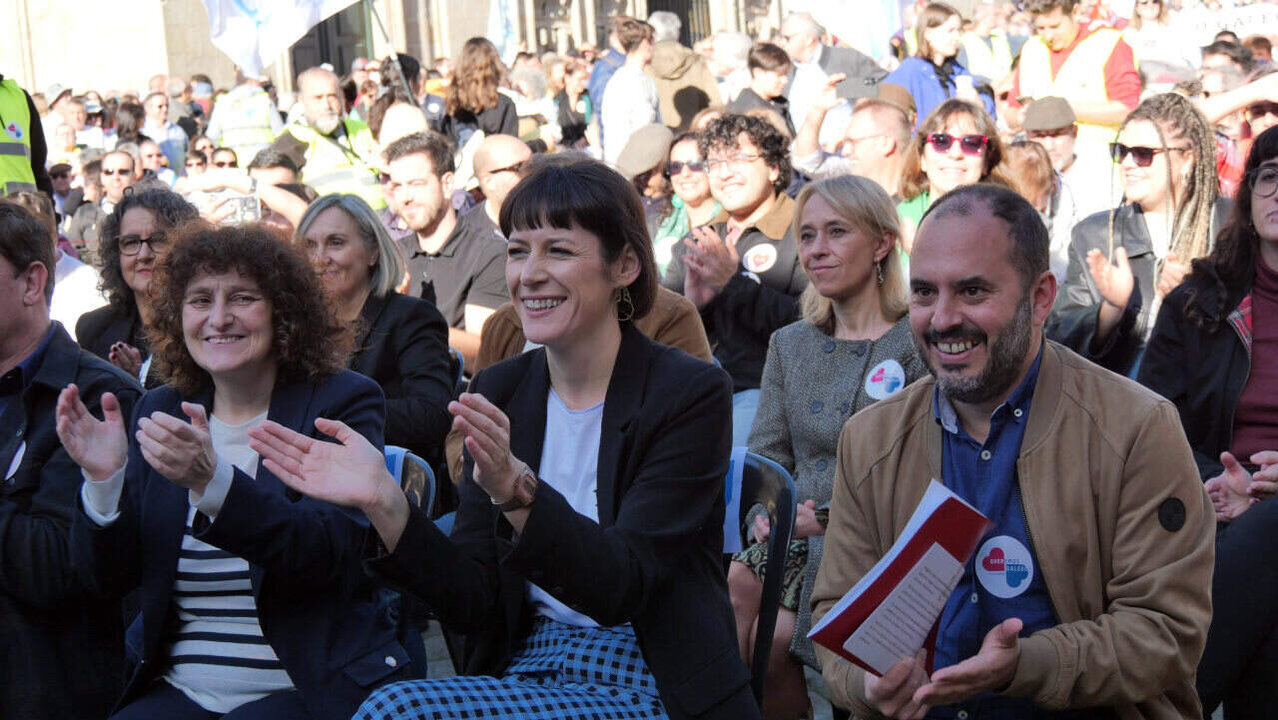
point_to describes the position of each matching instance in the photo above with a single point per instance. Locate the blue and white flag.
(253, 33)
(503, 21)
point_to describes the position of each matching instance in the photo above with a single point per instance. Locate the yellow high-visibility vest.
(993, 60)
(1081, 80)
(344, 166)
(15, 140)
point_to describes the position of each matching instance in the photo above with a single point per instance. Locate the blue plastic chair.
(417, 480)
(763, 482)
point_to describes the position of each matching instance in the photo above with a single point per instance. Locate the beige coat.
(1100, 458)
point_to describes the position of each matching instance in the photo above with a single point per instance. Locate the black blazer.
(654, 559)
(63, 645)
(403, 346)
(324, 617)
(97, 330)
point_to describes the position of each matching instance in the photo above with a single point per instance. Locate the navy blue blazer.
(62, 653)
(654, 559)
(324, 617)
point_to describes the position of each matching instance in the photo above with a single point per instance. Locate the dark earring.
(625, 306)
(879, 266)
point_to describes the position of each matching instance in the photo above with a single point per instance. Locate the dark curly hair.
(308, 341)
(774, 148)
(1231, 266)
(170, 211)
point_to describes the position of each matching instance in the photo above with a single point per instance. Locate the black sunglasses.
(1143, 156)
(969, 144)
(226, 164)
(124, 172)
(674, 167)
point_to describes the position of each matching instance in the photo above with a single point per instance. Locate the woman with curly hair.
(1124, 261)
(958, 144)
(253, 601)
(742, 269)
(473, 101)
(135, 237)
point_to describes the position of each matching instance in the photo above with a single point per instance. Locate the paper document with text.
(894, 609)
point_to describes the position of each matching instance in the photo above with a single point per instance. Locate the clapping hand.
(1230, 490)
(1264, 483)
(350, 472)
(126, 357)
(99, 447)
(1114, 281)
(486, 430)
(715, 260)
(180, 451)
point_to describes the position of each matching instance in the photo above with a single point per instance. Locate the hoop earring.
(625, 305)
(879, 266)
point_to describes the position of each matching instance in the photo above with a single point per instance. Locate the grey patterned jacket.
(812, 383)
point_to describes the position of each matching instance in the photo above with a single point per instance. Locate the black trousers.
(1240, 663)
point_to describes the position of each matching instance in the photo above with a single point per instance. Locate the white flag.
(502, 16)
(253, 33)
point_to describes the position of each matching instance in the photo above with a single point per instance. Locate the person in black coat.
(253, 601)
(135, 238)
(401, 342)
(587, 549)
(473, 101)
(769, 71)
(63, 649)
(1211, 354)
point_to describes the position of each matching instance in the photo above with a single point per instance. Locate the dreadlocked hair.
(1175, 117)
(1231, 266)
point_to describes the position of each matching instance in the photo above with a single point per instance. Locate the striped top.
(220, 658)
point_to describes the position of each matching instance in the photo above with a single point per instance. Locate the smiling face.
(420, 195)
(336, 249)
(562, 285)
(137, 269)
(952, 168)
(838, 257)
(691, 186)
(974, 325)
(226, 323)
(739, 178)
(117, 175)
(1148, 186)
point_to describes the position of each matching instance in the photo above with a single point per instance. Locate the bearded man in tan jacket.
(1091, 592)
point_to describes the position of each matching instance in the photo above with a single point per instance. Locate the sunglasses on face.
(971, 145)
(58, 176)
(675, 167)
(122, 172)
(1142, 156)
(132, 244)
(225, 163)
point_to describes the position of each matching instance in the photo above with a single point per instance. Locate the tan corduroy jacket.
(1120, 522)
(673, 320)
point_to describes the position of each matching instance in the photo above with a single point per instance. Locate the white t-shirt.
(75, 292)
(569, 464)
(630, 102)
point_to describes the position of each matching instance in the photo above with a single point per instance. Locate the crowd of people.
(1029, 254)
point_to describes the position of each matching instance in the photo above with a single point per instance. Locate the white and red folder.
(895, 609)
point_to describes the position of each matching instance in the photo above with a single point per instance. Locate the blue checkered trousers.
(562, 671)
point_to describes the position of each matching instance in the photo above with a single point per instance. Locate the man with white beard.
(336, 154)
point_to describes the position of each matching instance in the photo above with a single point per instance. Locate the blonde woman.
(851, 348)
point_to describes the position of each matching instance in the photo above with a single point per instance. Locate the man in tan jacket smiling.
(1091, 592)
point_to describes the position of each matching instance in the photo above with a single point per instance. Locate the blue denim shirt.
(1001, 580)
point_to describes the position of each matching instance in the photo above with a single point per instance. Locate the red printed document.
(895, 609)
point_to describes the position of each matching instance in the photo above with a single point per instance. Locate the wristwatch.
(525, 491)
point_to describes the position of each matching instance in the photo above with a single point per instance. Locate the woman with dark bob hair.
(585, 563)
(1211, 354)
(253, 601)
(135, 238)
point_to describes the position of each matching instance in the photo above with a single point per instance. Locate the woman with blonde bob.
(401, 342)
(851, 348)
